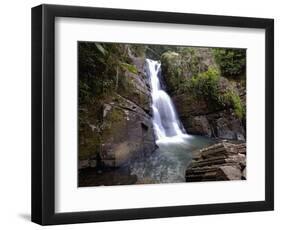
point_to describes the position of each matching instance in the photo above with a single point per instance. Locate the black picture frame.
(43, 114)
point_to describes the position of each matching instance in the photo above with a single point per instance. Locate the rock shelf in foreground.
(222, 161)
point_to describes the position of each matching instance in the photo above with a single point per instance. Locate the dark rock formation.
(223, 124)
(223, 161)
(109, 176)
(126, 131)
(118, 126)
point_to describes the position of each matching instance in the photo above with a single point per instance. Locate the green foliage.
(137, 49)
(89, 141)
(193, 72)
(100, 48)
(101, 69)
(232, 62)
(233, 99)
(84, 91)
(179, 67)
(90, 68)
(155, 51)
(129, 67)
(169, 65)
(204, 86)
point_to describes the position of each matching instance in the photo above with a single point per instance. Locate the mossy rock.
(89, 142)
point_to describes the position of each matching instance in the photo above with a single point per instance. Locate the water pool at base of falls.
(169, 162)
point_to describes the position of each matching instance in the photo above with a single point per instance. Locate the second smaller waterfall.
(165, 120)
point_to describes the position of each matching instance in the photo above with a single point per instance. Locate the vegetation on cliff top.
(232, 62)
(100, 68)
(196, 72)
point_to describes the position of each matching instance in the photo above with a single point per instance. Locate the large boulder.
(222, 161)
(227, 126)
(199, 125)
(126, 132)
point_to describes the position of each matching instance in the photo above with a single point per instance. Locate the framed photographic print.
(142, 114)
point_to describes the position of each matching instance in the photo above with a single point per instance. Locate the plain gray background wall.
(15, 113)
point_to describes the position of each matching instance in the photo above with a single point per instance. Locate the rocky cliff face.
(117, 126)
(207, 103)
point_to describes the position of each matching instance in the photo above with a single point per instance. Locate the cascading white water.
(165, 120)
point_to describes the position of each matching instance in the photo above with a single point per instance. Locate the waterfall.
(165, 120)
